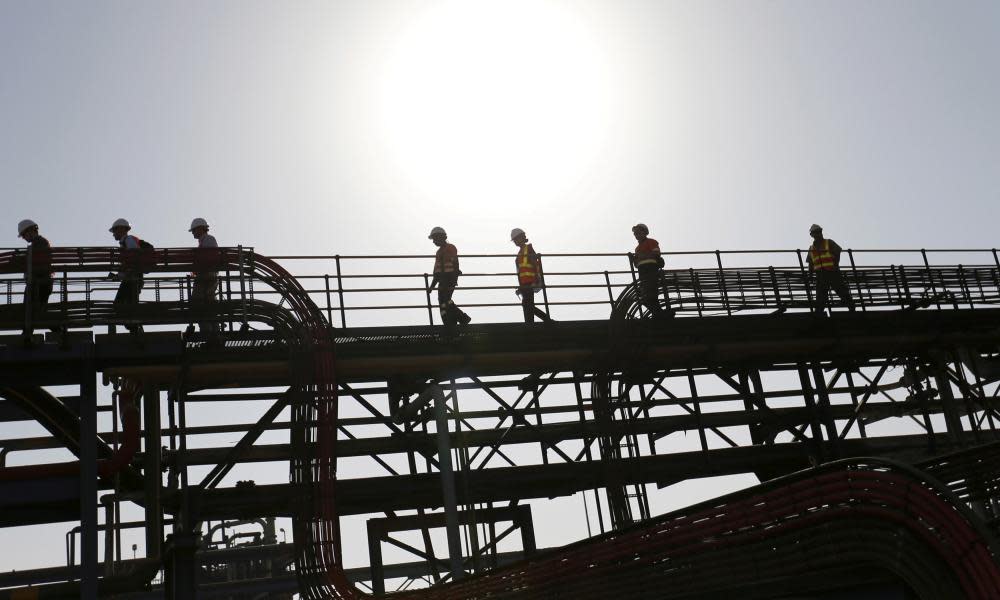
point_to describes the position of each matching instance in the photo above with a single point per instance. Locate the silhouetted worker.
(206, 274)
(824, 260)
(130, 275)
(37, 275)
(529, 275)
(648, 262)
(446, 274)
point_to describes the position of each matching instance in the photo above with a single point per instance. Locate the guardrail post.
(722, 283)
(808, 284)
(611, 297)
(545, 291)
(340, 293)
(29, 293)
(857, 283)
(243, 289)
(930, 276)
(430, 308)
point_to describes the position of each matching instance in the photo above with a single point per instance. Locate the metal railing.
(369, 290)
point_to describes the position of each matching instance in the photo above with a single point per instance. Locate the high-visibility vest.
(526, 270)
(822, 259)
(445, 259)
(646, 252)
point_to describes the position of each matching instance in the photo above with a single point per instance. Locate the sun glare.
(483, 100)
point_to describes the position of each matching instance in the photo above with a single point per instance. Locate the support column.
(180, 571)
(447, 481)
(152, 470)
(88, 487)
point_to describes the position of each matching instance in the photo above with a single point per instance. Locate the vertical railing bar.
(722, 282)
(329, 307)
(930, 276)
(29, 292)
(545, 291)
(808, 283)
(430, 309)
(857, 283)
(607, 283)
(340, 293)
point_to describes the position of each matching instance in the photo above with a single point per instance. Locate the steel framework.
(473, 424)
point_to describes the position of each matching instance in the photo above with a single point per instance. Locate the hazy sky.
(356, 126)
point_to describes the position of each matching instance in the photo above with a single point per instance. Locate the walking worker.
(37, 274)
(130, 275)
(648, 262)
(824, 260)
(206, 274)
(529, 275)
(446, 274)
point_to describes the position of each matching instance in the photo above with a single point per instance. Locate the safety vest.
(445, 259)
(822, 259)
(646, 252)
(526, 273)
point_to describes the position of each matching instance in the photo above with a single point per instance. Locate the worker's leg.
(127, 297)
(203, 297)
(41, 289)
(839, 285)
(649, 288)
(822, 291)
(528, 303)
(445, 305)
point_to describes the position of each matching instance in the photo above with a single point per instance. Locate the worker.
(648, 262)
(130, 274)
(206, 274)
(529, 275)
(37, 275)
(446, 274)
(824, 261)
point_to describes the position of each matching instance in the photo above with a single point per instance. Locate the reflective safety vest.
(646, 252)
(526, 269)
(822, 259)
(445, 259)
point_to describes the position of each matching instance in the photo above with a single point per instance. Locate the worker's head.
(438, 236)
(120, 228)
(518, 236)
(640, 231)
(816, 232)
(27, 230)
(199, 227)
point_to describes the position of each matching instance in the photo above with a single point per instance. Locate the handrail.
(355, 287)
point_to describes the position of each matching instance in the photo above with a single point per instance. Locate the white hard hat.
(120, 223)
(24, 226)
(199, 222)
(437, 231)
(815, 227)
(641, 226)
(516, 233)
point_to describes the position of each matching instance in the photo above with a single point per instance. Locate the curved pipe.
(107, 467)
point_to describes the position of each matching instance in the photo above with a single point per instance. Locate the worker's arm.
(835, 251)
(809, 260)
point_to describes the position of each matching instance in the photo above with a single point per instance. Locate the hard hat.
(437, 231)
(199, 222)
(516, 233)
(24, 226)
(120, 223)
(815, 227)
(641, 226)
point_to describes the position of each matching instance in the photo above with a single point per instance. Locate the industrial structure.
(873, 432)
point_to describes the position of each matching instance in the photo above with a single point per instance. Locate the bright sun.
(484, 100)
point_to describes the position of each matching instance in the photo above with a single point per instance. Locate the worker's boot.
(463, 318)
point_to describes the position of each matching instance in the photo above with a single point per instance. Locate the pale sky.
(351, 127)
(354, 127)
